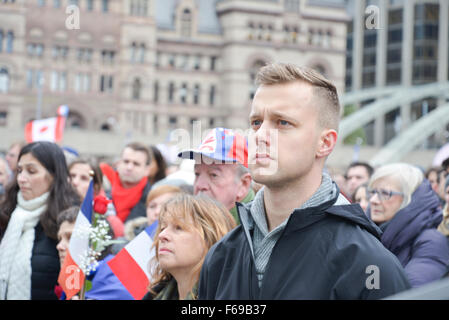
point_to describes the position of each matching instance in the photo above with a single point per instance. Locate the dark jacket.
(324, 252)
(45, 266)
(412, 236)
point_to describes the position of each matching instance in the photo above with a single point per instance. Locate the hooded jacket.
(412, 236)
(324, 252)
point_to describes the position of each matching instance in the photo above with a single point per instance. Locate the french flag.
(130, 265)
(71, 277)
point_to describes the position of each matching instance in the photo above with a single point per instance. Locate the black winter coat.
(324, 252)
(45, 266)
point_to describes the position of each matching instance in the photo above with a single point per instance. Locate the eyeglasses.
(383, 194)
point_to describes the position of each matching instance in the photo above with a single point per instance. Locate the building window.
(137, 87)
(133, 51)
(212, 95)
(156, 92)
(9, 41)
(183, 93)
(197, 63)
(105, 5)
(90, 5)
(106, 83)
(291, 6)
(213, 63)
(171, 92)
(4, 80)
(1, 40)
(138, 8)
(85, 54)
(108, 56)
(186, 23)
(56, 4)
(142, 53)
(58, 81)
(196, 94)
(172, 60)
(40, 3)
(3, 118)
(82, 82)
(29, 79)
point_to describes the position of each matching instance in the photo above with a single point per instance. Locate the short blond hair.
(325, 92)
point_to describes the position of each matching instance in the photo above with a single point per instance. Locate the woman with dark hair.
(158, 166)
(81, 171)
(29, 261)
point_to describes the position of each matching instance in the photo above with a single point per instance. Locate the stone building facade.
(141, 68)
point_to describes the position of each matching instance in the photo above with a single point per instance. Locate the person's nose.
(61, 246)
(164, 235)
(374, 198)
(21, 177)
(201, 184)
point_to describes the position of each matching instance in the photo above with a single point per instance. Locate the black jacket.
(324, 252)
(45, 266)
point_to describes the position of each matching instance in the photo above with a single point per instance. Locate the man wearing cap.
(221, 168)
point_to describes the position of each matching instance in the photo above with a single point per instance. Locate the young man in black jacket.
(299, 238)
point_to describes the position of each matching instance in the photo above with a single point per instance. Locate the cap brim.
(201, 157)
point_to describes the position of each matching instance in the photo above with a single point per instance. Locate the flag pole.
(84, 287)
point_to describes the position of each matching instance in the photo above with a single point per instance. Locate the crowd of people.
(264, 218)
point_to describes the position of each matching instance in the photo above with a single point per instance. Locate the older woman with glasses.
(404, 206)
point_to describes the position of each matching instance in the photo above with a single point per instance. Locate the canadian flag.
(50, 129)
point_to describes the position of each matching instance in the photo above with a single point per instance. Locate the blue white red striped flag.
(130, 265)
(71, 276)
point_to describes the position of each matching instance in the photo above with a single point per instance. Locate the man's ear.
(245, 184)
(327, 142)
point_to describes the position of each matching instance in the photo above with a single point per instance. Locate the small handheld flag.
(71, 277)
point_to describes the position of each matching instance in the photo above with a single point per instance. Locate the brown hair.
(137, 146)
(158, 191)
(326, 97)
(98, 175)
(208, 217)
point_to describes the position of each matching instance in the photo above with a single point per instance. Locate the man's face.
(12, 156)
(132, 167)
(4, 176)
(217, 181)
(284, 135)
(355, 177)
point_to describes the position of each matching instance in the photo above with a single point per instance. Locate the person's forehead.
(387, 182)
(131, 154)
(357, 170)
(29, 160)
(223, 167)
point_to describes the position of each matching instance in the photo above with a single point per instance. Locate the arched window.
(137, 87)
(4, 80)
(186, 23)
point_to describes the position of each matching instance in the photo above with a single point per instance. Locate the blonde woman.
(188, 227)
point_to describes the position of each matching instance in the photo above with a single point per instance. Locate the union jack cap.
(220, 146)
